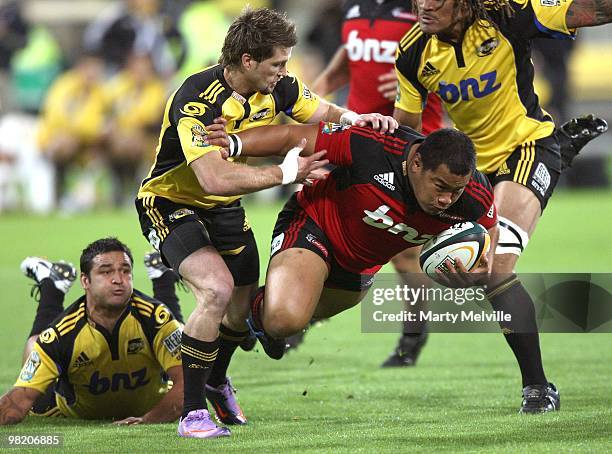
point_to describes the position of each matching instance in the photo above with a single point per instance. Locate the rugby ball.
(467, 241)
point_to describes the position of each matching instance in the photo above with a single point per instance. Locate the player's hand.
(388, 85)
(457, 276)
(379, 122)
(130, 421)
(218, 136)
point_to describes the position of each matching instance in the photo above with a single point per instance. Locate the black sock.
(229, 341)
(521, 332)
(51, 304)
(198, 360)
(164, 291)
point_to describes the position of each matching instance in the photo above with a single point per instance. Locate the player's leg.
(179, 233)
(53, 280)
(297, 270)
(520, 198)
(294, 283)
(234, 239)
(414, 334)
(164, 281)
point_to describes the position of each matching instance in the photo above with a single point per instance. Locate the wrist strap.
(235, 145)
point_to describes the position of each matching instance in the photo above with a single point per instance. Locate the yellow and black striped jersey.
(99, 374)
(203, 97)
(486, 80)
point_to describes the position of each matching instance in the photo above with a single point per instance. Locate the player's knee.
(283, 323)
(213, 294)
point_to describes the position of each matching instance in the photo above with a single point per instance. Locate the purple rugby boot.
(197, 424)
(224, 402)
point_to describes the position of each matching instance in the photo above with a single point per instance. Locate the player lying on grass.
(108, 355)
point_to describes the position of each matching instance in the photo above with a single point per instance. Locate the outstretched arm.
(588, 13)
(16, 403)
(277, 139)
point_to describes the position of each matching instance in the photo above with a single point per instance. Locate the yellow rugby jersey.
(134, 104)
(203, 97)
(102, 375)
(486, 80)
(73, 108)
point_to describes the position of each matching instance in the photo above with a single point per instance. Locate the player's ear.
(84, 281)
(416, 164)
(247, 61)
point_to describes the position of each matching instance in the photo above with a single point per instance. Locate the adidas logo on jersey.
(503, 170)
(82, 360)
(429, 70)
(386, 179)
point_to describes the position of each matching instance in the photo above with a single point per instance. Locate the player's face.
(109, 283)
(265, 74)
(437, 16)
(436, 190)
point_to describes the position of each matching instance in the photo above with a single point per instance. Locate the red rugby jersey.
(366, 206)
(370, 34)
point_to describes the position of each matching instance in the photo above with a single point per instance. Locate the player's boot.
(407, 351)
(249, 342)
(274, 348)
(198, 424)
(540, 399)
(223, 400)
(154, 265)
(61, 273)
(575, 134)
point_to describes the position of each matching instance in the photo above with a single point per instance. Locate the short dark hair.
(256, 32)
(101, 246)
(451, 147)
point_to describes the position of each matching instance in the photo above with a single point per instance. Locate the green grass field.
(330, 395)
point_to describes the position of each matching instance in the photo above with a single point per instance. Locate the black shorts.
(535, 165)
(295, 229)
(178, 230)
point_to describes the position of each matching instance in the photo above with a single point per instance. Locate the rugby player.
(388, 192)
(476, 56)
(189, 204)
(107, 356)
(371, 30)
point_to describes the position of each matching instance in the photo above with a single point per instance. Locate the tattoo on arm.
(14, 406)
(587, 13)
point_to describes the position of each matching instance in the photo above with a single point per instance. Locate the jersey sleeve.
(191, 115)
(480, 194)
(336, 139)
(41, 368)
(541, 18)
(295, 99)
(167, 345)
(411, 94)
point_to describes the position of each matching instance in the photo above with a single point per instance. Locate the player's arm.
(277, 139)
(412, 120)
(223, 178)
(16, 403)
(330, 112)
(334, 76)
(218, 176)
(168, 409)
(587, 13)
